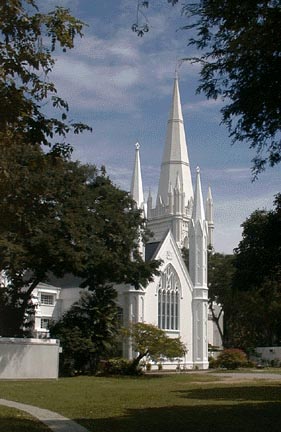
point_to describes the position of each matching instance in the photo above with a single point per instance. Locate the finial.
(198, 170)
(178, 65)
(137, 145)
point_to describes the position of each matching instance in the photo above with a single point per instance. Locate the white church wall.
(170, 255)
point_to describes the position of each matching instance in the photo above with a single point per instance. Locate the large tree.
(240, 64)
(27, 41)
(88, 331)
(220, 275)
(58, 217)
(257, 278)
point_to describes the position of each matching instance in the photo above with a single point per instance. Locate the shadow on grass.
(237, 409)
(270, 393)
(212, 418)
(14, 424)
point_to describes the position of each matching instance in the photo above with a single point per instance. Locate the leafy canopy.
(240, 64)
(27, 41)
(58, 217)
(148, 340)
(257, 277)
(88, 330)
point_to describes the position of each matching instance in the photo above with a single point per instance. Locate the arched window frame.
(169, 294)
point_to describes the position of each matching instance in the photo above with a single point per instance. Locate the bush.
(120, 367)
(232, 359)
(212, 363)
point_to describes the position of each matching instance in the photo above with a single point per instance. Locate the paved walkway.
(54, 421)
(247, 376)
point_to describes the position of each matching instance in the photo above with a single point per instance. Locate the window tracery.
(169, 299)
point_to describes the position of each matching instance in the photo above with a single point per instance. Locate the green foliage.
(231, 359)
(240, 63)
(120, 367)
(257, 280)
(57, 217)
(150, 341)
(27, 41)
(220, 275)
(87, 331)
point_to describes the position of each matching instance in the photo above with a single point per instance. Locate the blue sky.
(121, 85)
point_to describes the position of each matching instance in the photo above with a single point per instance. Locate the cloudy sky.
(121, 85)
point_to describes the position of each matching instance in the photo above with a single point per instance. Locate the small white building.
(177, 300)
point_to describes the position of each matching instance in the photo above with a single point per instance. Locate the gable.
(169, 253)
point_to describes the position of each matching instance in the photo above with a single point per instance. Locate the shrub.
(232, 359)
(212, 363)
(120, 367)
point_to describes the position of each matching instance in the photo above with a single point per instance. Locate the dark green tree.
(257, 279)
(27, 41)
(88, 331)
(63, 218)
(220, 275)
(241, 64)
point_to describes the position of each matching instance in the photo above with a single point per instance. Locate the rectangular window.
(47, 299)
(45, 323)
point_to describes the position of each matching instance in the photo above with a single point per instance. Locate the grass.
(156, 403)
(13, 420)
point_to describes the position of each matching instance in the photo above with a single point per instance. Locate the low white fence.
(29, 358)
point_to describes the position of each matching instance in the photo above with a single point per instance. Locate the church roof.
(151, 250)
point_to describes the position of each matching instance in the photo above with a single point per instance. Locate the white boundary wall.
(29, 358)
(269, 353)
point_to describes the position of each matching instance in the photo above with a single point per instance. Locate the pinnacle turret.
(136, 185)
(210, 218)
(198, 207)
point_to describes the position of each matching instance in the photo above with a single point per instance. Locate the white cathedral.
(177, 299)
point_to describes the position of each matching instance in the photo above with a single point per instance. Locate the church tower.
(175, 193)
(198, 243)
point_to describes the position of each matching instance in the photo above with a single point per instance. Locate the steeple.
(136, 185)
(198, 207)
(175, 161)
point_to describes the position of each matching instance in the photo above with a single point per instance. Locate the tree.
(220, 275)
(88, 330)
(241, 64)
(150, 341)
(257, 279)
(65, 218)
(27, 41)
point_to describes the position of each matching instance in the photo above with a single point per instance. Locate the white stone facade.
(177, 300)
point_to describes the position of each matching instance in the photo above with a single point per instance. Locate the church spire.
(175, 161)
(136, 185)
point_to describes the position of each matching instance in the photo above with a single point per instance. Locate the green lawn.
(12, 420)
(181, 403)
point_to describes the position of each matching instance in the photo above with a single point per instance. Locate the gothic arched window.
(169, 299)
